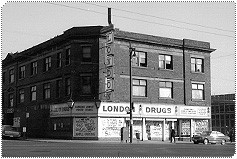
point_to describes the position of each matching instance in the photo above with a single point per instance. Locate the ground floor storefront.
(105, 120)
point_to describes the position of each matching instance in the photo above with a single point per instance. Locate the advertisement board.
(85, 127)
(110, 127)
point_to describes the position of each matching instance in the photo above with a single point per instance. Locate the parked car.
(211, 137)
(9, 131)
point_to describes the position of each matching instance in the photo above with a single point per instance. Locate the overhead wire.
(148, 15)
(88, 10)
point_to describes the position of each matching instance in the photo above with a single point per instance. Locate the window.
(166, 89)
(3, 77)
(12, 76)
(33, 93)
(197, 65)
(59, 59)
(21, 95)
(86, 54)
(86, 84)
(68, 53)
(11, 96)
(34, 68)
(139, 88)
(68, 86)
(47, 91)
(47, 63)
(197, 91)
(58, 88)
(140, 59)
(165, 62)
(22, 72)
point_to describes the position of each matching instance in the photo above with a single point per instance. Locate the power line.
(223, 56)
(148, 15)
(142, 20)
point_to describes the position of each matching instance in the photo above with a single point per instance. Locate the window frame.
(59, 59)
(194, 65)
(21, 96)
(89, 58)
(139, 87)
(164, 62)
(68, 57)
(46, 91)
(11, 75)
(33, 93)
(136, 61)
(11, 100)
(34, 68)
(58, 88)
(88, 84)
(167, 86)
(47, 63)
(68, 86)
(198, 89)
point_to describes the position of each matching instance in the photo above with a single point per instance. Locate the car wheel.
(222, 142)
(205, 141)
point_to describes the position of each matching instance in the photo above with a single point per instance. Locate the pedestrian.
(231, 135)
(172, 135)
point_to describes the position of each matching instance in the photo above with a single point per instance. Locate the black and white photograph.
(118, 79)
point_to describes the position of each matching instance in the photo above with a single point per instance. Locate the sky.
(26, 24)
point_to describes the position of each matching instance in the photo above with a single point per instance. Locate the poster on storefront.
(185, 127)
(110, 127)
(200, 126)
(84, 127)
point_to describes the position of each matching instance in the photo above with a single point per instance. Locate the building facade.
(90, 66)
(223, 113)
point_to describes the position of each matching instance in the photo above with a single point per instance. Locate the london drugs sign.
(109, 62)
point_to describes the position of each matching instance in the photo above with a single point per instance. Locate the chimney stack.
(109, 16)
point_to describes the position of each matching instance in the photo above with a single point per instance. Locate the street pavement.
(89, 148)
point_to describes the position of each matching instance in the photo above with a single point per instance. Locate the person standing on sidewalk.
(172, 135)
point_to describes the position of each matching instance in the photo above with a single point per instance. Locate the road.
(19, 148)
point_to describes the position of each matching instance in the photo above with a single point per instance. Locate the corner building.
(90, 65)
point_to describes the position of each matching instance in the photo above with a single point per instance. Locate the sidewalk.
(104, 141)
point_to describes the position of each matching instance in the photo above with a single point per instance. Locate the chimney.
(109, 16)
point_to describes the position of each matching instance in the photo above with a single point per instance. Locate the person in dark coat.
(172, 135)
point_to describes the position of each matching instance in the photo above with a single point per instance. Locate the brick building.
(223, 113)
(90, 65)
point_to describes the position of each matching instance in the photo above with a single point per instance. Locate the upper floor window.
(68, 58)
(86, 54)
(68, 86)
(197, 91)
(166, 89)
(3, 77)
(165, 62)
(139, 88)
(197, 65)
(58, 88)
(22, 72)
(11, 97)
(33, 93)
(140, 59)
(11, 75)
(59, 59)
(86, 84)
(47, 64)
(21, 95)
(47, 91)
(34, 68)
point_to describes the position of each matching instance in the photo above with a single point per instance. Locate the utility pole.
(131, 54)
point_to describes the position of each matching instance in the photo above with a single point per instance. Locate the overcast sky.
(26, 24)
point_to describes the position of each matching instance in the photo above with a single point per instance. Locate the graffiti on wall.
(111, 127)
(85, 127)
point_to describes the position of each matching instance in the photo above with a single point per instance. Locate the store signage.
(79, 108)
(109, 63)
(194, 111)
